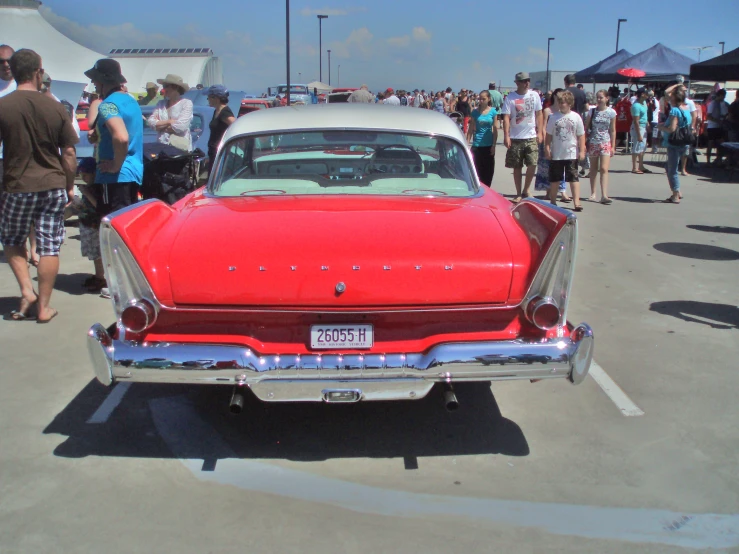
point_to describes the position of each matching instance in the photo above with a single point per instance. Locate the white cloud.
(421, 34)
(399, 42)
(103, 38)
(308, 12)
(538, 54)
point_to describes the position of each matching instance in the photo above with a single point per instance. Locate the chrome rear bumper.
(290, 377)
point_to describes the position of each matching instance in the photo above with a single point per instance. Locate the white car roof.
(380, 117)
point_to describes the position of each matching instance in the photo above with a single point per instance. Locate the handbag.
(181, 143)
(683, 136)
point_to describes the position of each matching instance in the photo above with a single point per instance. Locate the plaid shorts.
(45, 210)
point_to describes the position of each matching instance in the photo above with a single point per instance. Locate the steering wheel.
(381, 149)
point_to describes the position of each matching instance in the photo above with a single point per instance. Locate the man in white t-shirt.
(522, 132)
(418, 99)
(565, 143)
(390, 98)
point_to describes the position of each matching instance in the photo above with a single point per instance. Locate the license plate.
(341, 336)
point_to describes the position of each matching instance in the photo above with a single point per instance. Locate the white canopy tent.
(22, 26)
(322, 87)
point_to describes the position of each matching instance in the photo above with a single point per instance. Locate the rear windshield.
(343, 162)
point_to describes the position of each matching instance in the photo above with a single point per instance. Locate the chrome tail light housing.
(545, 304)
(135, 304)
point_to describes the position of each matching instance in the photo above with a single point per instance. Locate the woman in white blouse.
(172, 116)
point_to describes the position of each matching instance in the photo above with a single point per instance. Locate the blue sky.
(402, 44)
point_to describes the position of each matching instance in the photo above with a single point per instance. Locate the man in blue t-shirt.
(119, 132)
(639, 132)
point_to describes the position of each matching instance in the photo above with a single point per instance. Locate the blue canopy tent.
(658, 62)
(609, 64)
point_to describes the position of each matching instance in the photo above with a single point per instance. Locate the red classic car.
(340, 253)
(250, 105)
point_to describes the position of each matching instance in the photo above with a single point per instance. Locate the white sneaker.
(105, 292)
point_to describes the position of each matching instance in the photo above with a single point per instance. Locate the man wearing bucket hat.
(172, 116)
(120, 136)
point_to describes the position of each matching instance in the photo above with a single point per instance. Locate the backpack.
(403, 101)
(683, 136)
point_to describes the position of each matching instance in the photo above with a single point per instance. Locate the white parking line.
(102, 414)
(614, 392)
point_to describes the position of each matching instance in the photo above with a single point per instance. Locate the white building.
(194, 65)
(23, 26)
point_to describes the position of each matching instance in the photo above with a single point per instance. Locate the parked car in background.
(339, 95)
(299, 94)
(340, 253)
(249, 105)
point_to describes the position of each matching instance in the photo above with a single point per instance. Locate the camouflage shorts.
(522, 152)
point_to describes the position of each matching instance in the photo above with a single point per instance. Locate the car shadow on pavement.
(698, 251)
(152, 421)
(715, 229)
(718, 316)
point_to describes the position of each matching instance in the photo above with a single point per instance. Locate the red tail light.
(139, 317)
(543, 312)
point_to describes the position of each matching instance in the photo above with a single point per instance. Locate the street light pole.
(329, 66)
(320, 46)
(700, 49)
(287, 48)
(549, 40)
(618, 32)
(722, 43)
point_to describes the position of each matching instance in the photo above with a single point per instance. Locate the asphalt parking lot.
(645, 459)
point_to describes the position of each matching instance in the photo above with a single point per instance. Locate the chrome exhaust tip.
(236, 406)
(450, 399)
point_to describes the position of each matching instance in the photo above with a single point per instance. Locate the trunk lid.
(293, 252)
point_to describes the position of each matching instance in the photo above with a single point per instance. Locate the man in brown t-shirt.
(38, 182)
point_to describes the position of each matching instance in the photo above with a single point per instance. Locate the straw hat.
(172, 79)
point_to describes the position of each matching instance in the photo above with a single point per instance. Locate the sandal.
(579, 208)
(20, 315)
(637, 172)
(96, 284)
(591, 198)
(671, 200)
(606, 201)
(516, 200)
(566, 199)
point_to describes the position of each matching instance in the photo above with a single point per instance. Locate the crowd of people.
(558, 136)
(39, 166)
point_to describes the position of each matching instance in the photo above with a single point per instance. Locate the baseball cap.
(389, 89)
(522, 76)
(87, 165)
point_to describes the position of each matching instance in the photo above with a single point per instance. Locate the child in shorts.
(564, 145)
(90, 225)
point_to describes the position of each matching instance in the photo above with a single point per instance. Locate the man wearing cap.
(522, 132)
(119, 132)
(639, 132)
(418, 99)
(40, 166)
(390, 98)
(363, 95)
(151, 95)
